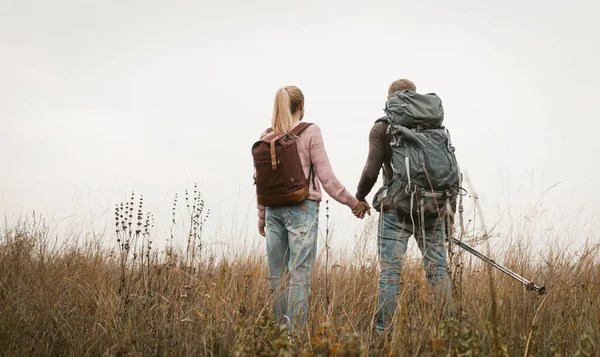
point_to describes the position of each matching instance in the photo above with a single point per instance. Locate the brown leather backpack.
(278, 173)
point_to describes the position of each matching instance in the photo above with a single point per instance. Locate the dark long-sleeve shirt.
(380, 156)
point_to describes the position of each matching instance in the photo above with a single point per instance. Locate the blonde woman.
(291, 230)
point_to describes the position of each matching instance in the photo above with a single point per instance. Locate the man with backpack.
(421, 182)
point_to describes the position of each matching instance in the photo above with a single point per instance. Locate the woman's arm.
(323, 170)
(261, 219)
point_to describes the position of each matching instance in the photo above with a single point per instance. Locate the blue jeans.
(393, 233)
(291, 249)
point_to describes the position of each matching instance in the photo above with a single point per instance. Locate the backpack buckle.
(410, 191)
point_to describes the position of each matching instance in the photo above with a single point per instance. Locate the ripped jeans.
(291, 249)
(393, 233)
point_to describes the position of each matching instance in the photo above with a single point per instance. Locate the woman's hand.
(360, 209)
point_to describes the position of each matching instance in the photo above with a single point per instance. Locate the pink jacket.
(312, 150)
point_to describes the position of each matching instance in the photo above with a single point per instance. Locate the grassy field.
(88, 300)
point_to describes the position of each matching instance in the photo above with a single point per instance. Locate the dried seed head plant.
(134, 246)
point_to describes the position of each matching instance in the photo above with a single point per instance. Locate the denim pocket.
(302, 216)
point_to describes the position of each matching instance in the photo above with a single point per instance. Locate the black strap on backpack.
(311, 176)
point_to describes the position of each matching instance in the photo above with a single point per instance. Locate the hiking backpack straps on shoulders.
(279, 176)
(426, 173)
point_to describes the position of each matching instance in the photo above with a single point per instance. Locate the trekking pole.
(530, 285)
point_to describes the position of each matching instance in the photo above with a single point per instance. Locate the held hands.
(360, 209)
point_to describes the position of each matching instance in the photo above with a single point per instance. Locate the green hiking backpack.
(426, 177)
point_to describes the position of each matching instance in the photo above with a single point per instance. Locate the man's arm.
(374, 161)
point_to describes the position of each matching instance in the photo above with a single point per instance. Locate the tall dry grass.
(71, 302)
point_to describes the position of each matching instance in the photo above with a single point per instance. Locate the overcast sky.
(99, 98)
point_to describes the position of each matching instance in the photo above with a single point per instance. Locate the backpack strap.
(382, 119)
(311, 176)
(300, 128)
(273, 155)
(296, 131)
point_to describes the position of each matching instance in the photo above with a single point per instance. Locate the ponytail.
(282, 115)
(287, 101)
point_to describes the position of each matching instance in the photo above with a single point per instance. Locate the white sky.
(101, 98)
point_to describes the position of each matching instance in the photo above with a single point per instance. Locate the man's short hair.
(402, 84)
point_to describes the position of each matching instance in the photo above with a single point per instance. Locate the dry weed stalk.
(135, 244)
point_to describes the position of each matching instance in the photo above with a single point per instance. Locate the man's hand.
(261, 229)
(360, 209)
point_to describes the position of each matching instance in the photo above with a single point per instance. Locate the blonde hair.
(401, 84)
(287, 101)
